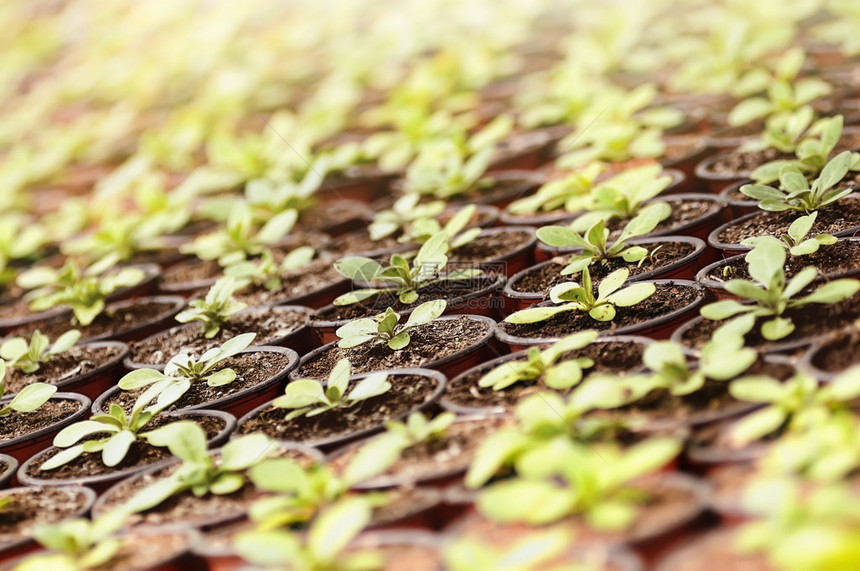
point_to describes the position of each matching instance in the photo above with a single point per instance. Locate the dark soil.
(740, 163)
(611, 357)
(407, 393)
(830, 261)
(841, 352)
(252, 369)
(21, 423)
(490, 247)
(32, 507)
(446, 289)
(430, 342)
(329, 215)
(109, 322)
(359, 243)
(841, 216)
(314, 276)
(667, 298)
(541, 280)
(77, 361)
(141, 453)
(807, 324)
(270, 324)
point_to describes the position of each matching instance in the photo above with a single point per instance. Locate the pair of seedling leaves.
(268, 273)
(417, 223)
(407, 279)
(384, 327)
(29, 357)
(30, 398)
(770, 295)
(570, 296)
(84, 291)
(215, 310)
(795, 240)
(116, 431)
(594, 243)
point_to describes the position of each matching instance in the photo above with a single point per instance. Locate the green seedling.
(267, 273)
(795, 240)
(216, 309)
(29, 399)
(29, 357)
(384, 327)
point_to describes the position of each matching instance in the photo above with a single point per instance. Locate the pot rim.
(84, 411)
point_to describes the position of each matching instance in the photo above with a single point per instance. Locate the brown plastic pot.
(513, 184)
(687, 162)
(361, 183)
(485, 301)
(238, 403)
(657, 328)
(23, 447)
(718, 182)
(525, 150)
(101, 482)
(347, 437)
(738, 207)
(811, 360)
(10, 466)
(300, 340)
(358, 216)
(684, 268)
(482, 350)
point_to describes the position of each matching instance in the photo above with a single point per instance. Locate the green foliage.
(771, 296)
(84, 291)
(309, 398)
(570, 192)
(216, 309)
(405, 212)
(570, 296)
(422, 229)
(265, 271)
(384, 326)
(20, 239)
(76, 544)
(795, 240)
(593, 243)
(407, 279)
(30, 356)
(537, 550)
(795, 192)
(119, 237)
(544, 365)
(28, 399)
(183, 370)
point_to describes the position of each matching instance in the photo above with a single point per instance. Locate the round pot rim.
(724, 194)
(701, 296)
(441, 382)
(782, 347)
(176, 302)
(713, 455)
(225, 400)
(806, 360)
(131, 365)
(485, 338)
(698, 250)
(11, 467)
(79, 414)
(97, 479)
(689, 196)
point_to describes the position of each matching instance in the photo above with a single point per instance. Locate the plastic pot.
(101, 482)
(238, 403)
(357, 216)
(526, 150)
(813, 359)
(717, 182)
(10, 466)
(26, 445)
(686, 163)
(739, 207)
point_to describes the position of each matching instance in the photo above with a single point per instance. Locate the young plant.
(199, 472)
(406, 279)
(594, 242)
(215, 310)
(119, 237)
(384, 327)
(423, 229)
(795, 192)
(544, 365)
(28, 357)
(30, 398)
(405, 211)
(266, 272)
(84, 291)
(308, 397)
(569, 193)
(795, 241)
(570, 296)
(770, 295)
(183, 370)
(76, 544)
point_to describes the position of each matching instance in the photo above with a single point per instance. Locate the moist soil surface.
(429, 342)
(541, 280)
(140, 453)
(406, 393)
(830, 260)
(77, 361)
(843, 215)
(108, 323)
(490, 247)
(33, 507)
(809, 322)
(668, 297)
(741, 162)
(270, 324)
(358, 243)
(446, 455)
(841, 352)
(446, 289)
(611, 357)
(311, 277)
(21, 423)
(251, 369)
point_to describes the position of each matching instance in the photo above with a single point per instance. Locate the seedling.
(199, 472)
(384, 327)
(765, 264)
(594, 242)
(571, 192)
(309, 398)
(544, 365)
(183, 370)
(119, 237)
(28, 357)
(795, 241)
(266, 272)
(795, 192)
(28, 399)
(405, 211)
(84, 291)
(216, 309)
(77, 544)
(407, 280)
(570, 296)
(423, 229)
